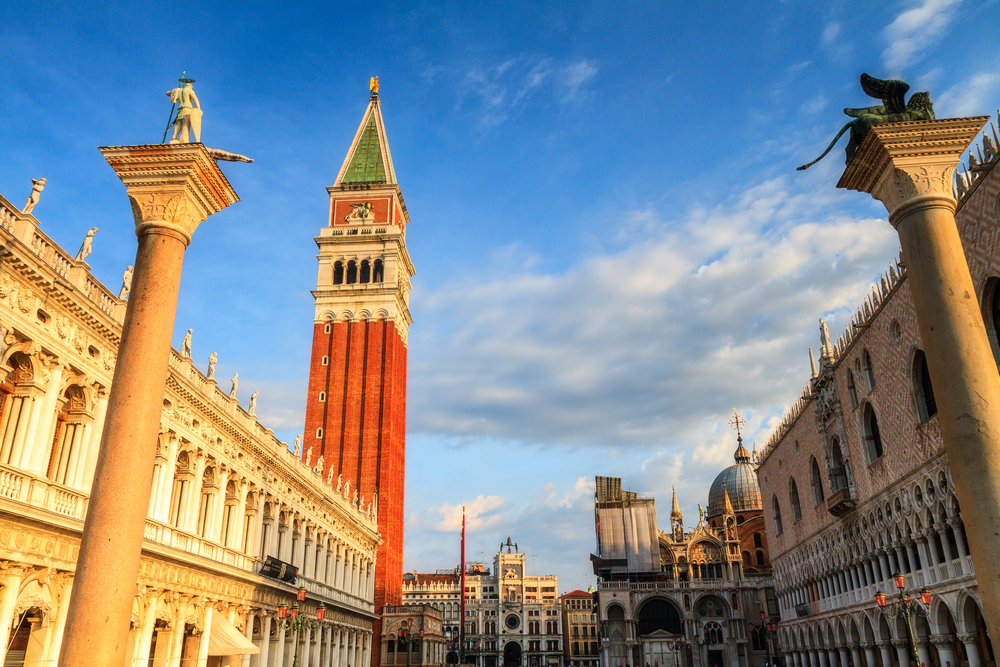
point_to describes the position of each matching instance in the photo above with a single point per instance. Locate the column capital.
(172, 187)
(906, 163)
(969, 638)
(900, 643)
(942, 640)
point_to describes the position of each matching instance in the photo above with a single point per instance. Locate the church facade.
(857, 485)
(699, 597)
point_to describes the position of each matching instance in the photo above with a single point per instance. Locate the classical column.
(214, 532)
(145, 640)
(844, 659)
(206, 633)
(265, 642)
(869, 649)
(40, 448)
(922, 653)
(88, 456)
(886, 650)
(821, 653)
(11, 577)
(279, 647)
(909, 167)
(248, 633)
(902, 647)
(167, 487)
(946, 649)
(235, 538)
(56, 637)
(172, 189)
(193, 504)
(855, 658)
(971, 643)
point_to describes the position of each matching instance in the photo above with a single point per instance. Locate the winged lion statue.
(894, 109)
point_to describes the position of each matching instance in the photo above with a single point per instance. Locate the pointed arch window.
(817, 481)
(872, 434)
(852, 389)
(838, 469)
(776, 507)
(923, 391)
(793, 497)
(868, 369)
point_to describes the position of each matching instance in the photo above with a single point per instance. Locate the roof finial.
(373, 86)
(737, 422)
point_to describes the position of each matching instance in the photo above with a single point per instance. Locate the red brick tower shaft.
(356, 409)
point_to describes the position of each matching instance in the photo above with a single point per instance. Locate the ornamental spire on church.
(741, 455)
(727, 505)
(675, 510)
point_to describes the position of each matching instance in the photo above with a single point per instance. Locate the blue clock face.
(512, 621)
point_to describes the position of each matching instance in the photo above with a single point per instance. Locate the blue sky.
(613, 248)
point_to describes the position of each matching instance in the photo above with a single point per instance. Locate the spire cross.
(737, 423)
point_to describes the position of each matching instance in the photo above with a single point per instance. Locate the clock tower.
(356, 408)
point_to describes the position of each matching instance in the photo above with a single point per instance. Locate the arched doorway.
(512, 654)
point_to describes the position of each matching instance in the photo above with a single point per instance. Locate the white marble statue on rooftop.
(329, 476)
(824, 338)
(297, 445)
(236, 385)
(338, 481)
(126, 283)
(85, 248)
(701, 515)
(186, 344)
(309, 454)
(212, 358)
(252, 409)
(37, 185)
(188, 113)
(318, 468)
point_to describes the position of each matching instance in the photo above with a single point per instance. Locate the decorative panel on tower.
(356, 410)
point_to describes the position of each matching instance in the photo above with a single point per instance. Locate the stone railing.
(328, 592)
(755, 582)
(8, 215)
(168, 536)
(24, 487)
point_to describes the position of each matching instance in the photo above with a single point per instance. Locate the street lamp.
(676, 646)
(291, 619)
(906, 606)
(766, 631)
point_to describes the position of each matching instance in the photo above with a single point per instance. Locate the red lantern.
(321, 611)
(900, 580)
(282, 610)
(926, 596)
(772, 627)
(294, 611)
(880, 599)
(762, 615)
(301, 595)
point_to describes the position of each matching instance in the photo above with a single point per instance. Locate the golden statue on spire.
(373, 85)
(737, 423)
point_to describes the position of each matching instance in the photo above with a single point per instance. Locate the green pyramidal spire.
(369, 159)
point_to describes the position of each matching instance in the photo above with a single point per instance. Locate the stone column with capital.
(172, 189)
(909, 167)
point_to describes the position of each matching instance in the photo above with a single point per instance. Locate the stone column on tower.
(356, 407)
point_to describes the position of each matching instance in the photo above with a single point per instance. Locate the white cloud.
(643, 346)
(914, 30)
(973, 97)
(480, 513)
(830, 33)
(575, 76)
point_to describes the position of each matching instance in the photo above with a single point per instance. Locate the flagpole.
(461, 631)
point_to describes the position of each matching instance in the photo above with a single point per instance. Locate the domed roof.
(740, 481)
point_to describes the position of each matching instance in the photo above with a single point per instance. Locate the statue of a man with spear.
(188, 113)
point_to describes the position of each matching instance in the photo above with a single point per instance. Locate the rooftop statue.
(894, 109)
(188, 113)
(37, 185)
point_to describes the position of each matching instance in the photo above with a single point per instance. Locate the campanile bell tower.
(356, 409)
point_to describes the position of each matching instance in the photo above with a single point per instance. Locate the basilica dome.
(740, 481)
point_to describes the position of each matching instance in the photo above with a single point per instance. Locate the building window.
(873, 437)
(778, 529)
(760, 558)
(868, 368)
(338, 273)
(322, 397)
(922, 389)
(817, 481)
(852, 390)
(793, 497)
(366, 270)
(758, 540)
(325, 361)
(319, 433)
(352, 272)
(377, 271)
(838, 469)
(328, 328)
